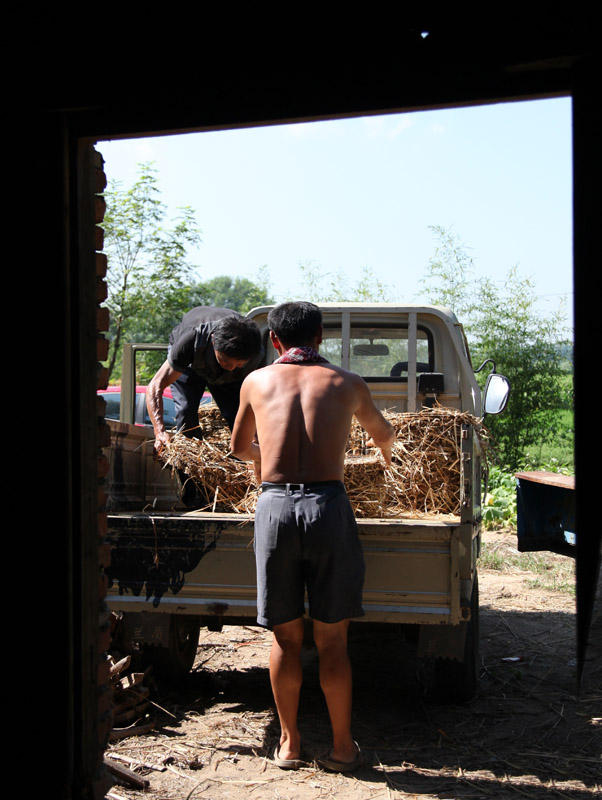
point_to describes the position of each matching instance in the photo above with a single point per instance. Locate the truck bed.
(196, 562)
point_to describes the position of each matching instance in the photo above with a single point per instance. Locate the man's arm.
(154, 401)
(243, 442)
(371, 419)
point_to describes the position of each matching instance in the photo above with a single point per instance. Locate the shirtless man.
(299, 410)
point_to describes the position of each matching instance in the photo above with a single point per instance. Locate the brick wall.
(105, 692)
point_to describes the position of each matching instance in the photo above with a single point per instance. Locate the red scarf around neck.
(301, 355)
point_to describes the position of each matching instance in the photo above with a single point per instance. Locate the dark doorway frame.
(442, 70)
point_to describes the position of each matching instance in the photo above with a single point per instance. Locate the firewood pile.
(131, 697)
(423, 478)
(131, 706)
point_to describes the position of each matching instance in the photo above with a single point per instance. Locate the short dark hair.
(237, 337)
(295, 324)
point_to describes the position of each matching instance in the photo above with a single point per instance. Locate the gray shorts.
(306, 536)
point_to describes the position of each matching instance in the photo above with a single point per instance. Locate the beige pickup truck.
(174, 570)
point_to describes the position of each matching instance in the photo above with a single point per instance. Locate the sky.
(359, 193)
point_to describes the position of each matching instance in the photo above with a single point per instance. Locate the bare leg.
(286, 676)
(336, 683)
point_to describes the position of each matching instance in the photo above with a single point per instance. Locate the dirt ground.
(527, 732)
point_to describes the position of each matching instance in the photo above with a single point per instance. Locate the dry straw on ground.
(423, 478)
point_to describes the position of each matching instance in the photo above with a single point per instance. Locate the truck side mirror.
(496, 394)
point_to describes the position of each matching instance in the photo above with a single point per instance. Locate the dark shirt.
(190, 347)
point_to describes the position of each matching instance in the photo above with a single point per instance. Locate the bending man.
(214, 349)
(305, 533)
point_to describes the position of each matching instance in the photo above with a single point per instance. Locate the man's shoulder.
(346, 373)
(261, 374)
(351, 378)
(306, 372)
(198, 323)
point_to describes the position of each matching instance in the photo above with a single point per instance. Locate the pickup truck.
(174, 570)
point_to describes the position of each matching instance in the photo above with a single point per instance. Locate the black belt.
(297, 486)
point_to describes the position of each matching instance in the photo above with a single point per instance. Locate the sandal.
(342, 766)
(286, 763)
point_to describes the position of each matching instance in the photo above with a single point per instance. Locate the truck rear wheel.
(457, 681)
(171, 660)
(174, 662)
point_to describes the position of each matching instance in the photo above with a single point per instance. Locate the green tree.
(527, 346)
(239, 294)
(149, 273)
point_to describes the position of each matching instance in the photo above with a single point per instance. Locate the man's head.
(235, 340)
(296, 324)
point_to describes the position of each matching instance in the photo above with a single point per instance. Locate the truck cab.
(411, 356)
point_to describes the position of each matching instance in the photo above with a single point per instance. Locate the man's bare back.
(302, 415)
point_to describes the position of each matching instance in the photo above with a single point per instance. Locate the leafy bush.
(499, 506)
(534, 463)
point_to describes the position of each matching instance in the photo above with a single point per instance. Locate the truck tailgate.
(203, 563)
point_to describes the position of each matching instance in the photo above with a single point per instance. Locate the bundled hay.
(425, 473)
(226, 483)
(423, 478)
(365, 483)
(211, 422)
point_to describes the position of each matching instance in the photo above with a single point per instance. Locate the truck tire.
(174, 662)
(457, 681)
(171, 661)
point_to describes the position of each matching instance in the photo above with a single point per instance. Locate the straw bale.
(425, 474)
(227, 484)
(423, 478)
(364, 478)
(213, 426)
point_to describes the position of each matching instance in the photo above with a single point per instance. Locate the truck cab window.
(379, 352)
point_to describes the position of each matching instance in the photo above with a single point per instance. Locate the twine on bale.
(423, 478)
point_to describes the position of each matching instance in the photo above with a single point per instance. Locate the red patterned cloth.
(301, 355)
